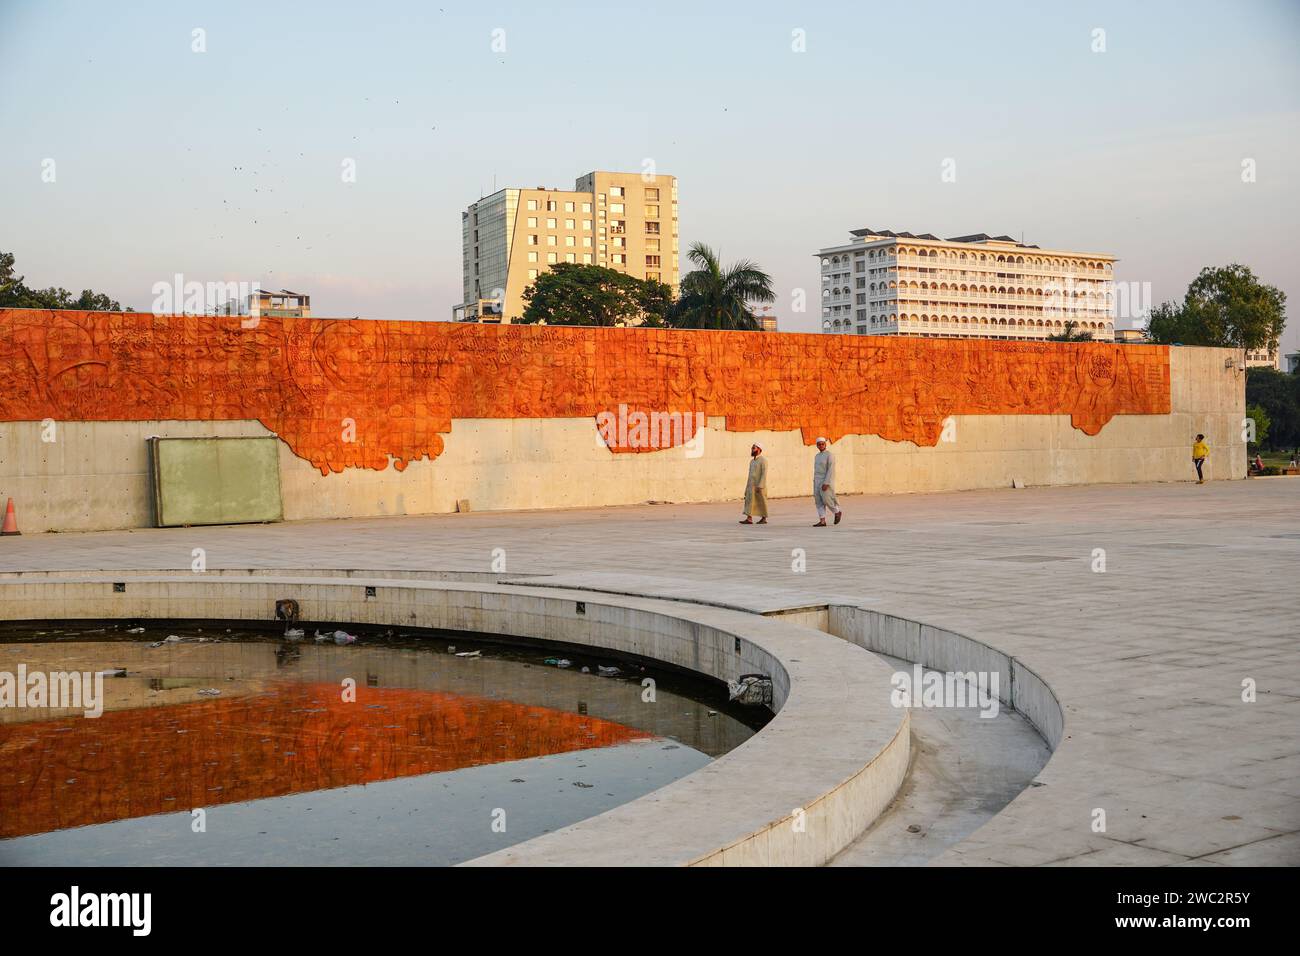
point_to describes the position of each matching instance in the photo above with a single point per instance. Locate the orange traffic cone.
(11, 520)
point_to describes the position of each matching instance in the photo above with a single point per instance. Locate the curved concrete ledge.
(944, 650)
(794, 794)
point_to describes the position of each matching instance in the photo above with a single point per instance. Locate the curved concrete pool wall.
(794, 794)
(943, 650)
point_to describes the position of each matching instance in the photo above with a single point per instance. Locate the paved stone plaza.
(1147, 658)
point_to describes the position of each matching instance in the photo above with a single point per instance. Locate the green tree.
(1226, 307)
(14, 294)
(717, 298)
(7, 280)
(1257, 414)
(1277, 395)
(1070, 332)
(572, 294)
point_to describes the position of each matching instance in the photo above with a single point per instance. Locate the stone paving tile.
(1146, 658)
(1122, 854)
(1281, 850)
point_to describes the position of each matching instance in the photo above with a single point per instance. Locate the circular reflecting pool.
(178, 744)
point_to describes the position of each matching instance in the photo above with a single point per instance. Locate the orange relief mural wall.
(403, 383)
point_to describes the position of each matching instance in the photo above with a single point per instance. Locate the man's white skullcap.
(822, 439)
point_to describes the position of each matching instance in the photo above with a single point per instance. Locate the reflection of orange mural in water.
(404, 382)
(297, 738)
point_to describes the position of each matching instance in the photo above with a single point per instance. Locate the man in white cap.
(756, 487)
(824, 484)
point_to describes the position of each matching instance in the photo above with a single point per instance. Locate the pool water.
(225, 746)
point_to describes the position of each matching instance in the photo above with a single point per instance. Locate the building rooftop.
(867, 235)
(975, 237)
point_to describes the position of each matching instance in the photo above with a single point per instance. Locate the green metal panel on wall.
(215, 480)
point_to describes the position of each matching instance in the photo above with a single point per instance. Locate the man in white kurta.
(824, 484)
(756, 488)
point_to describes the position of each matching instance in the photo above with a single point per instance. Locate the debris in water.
(135, 630)
(294, 634)
(584, 786)
(606, 671)
(751, 689)
(558, 662)
(113, 672)
(209, 692)
(343, 637)
(470, 654)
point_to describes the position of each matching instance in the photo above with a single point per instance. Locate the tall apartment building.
(981, 286)
(623, 221)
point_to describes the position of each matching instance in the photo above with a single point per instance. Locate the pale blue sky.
(226, 164)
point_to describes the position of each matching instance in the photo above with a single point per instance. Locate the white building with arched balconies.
(977, 286)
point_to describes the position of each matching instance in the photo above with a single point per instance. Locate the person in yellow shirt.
(1200, 452)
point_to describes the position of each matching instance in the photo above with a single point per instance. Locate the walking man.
(824, 485)
(756, 488)
(1200, 452)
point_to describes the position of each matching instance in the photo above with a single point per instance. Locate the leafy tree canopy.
(1277, 395)
(1226, 307)
(572, 294)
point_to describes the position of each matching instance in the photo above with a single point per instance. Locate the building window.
(532, 273)
(652, 228)
(532, 205)
(586, 224)
(586, 258)
(532, 240)
(586, 241)
(550, 240)
(618, 257)
(532, 222)
(550, 223)
(568, 223)
(652, 212)
(652, 245)
(532, 257)
(569, 257)
(652, 194)
(570, 241)
(550, 205)
(586, 207)
(568, 207)
(652, 262)
(616, 190)
(617, 225)
(616, 208)
(551, 257)
(619, 242)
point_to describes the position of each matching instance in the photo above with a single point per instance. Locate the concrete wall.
(95, 475)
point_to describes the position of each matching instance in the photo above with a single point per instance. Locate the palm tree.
(1070, 332)
(716, 298)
